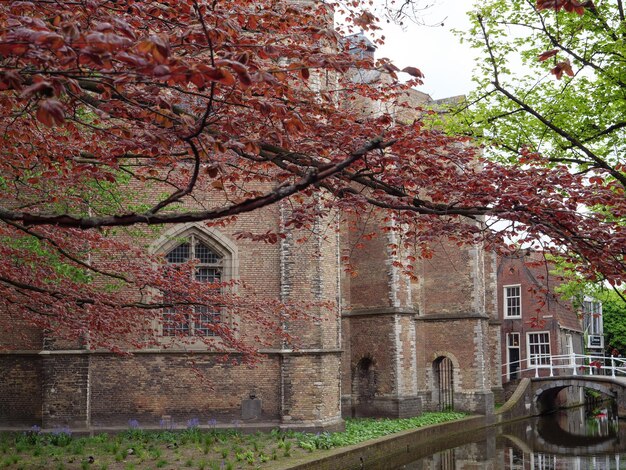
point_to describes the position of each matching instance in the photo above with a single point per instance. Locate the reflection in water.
(574, 439)
(515, 459)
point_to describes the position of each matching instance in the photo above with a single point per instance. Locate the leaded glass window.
(207, 269)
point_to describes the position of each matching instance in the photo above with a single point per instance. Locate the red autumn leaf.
(245, 79)
(413, 71)
(161, 71)
(571, 6)
(145, 47)
(390, 68)
(161, 50)
(197, 79)
(13, 49)
(596, 180)
(212, 171)
(546, 55)
(10, 80)
(219, 75)
(155, 46)
(365, 20)
(271, 51)
(243, 58)
(125, 28)
(42, 87)
(562, 67)
(52, 40)
(50, 112)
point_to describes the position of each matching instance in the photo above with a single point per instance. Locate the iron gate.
(445, 383)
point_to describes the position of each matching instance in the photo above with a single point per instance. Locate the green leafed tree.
(551, 90)
(614, 315)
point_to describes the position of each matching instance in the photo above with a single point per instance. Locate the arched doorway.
(364, 387)
(444, 383)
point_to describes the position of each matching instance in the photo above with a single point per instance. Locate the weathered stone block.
(251, 408)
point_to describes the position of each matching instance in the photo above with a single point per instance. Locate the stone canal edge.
(395, 449)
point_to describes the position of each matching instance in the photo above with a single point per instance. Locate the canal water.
(574, 439)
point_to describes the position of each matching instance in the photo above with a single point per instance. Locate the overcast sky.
(435, 50)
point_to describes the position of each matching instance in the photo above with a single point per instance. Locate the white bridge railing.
(569, 364)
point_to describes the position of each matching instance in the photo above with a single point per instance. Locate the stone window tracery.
(196, 320)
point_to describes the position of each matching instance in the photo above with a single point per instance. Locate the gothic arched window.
(208, 265)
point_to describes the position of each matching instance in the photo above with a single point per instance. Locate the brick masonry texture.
(377, 360)
(371, 350)
(395, 330)
(20, 390)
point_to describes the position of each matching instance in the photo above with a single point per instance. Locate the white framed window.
(538, 348)
(200, 319)
(592, 316)
(513, 340)
(569, 344)
(513, 301)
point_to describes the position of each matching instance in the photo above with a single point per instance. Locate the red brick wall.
(65, 390)
(20, 390)
(16, 334)
(148, 386)
(541, 308)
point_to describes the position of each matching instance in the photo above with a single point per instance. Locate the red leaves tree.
(121, 115)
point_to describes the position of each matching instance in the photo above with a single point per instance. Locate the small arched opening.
(364, 387)
(443, 393)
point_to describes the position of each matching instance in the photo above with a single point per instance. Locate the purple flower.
(193, 423)
(133, 424)
(212, 422)
(64, 430)
(166, 424)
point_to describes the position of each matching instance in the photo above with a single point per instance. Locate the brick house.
(536, 323)
(389, 346)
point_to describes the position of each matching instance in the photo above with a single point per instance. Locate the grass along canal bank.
(195, 447)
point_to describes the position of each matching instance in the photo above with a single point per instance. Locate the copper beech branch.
(312, 177)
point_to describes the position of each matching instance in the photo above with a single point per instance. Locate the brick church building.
(391, 345)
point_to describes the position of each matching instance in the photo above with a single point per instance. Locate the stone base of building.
(498, 395)
(471, 402)
(382, 407)
(97, 391)
(475, 402)
(330, 425)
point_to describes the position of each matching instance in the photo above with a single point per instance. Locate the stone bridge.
(567, 444)
(539, 395)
